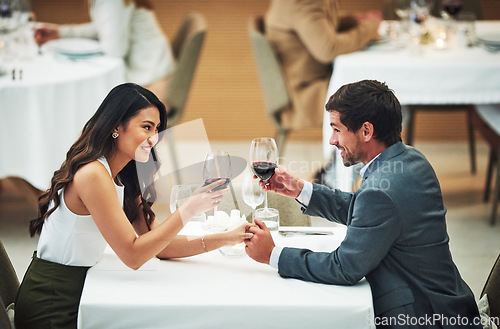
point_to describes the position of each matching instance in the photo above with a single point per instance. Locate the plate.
(74, 46)
(490, 38)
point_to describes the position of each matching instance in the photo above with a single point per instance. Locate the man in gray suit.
(396, 230)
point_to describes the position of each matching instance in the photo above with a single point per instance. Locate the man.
(396, 231)
(308, 35)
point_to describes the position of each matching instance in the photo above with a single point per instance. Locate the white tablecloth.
(214, 291)
(43, 113)
(458, 75)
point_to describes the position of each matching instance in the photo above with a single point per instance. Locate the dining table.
(458, 73)
(45, 100)
(214, 290)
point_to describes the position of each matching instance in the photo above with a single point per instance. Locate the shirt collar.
(365, 167)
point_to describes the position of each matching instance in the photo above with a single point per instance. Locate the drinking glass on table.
(402, 9)
(179, 195)
(264, 158)
(252, 193)
(217, 166)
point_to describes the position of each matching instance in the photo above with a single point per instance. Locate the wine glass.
(217, 167)
(452, 8)
(264, 159)
(420, 10)
(179, 195)
(252, 193)
(402, 9)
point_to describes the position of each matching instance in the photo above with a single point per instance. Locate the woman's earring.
(114, 135)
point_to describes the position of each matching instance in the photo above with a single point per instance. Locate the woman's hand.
(203, 199)
(45, 32)
(239, 234)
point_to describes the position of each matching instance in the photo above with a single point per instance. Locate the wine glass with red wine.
(264, 158)
(217, 167)
(452, 7)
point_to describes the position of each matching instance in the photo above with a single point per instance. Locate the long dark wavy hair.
(121, 104)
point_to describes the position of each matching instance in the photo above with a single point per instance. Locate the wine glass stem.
(253, 214)
(265, 196)
(215, 211)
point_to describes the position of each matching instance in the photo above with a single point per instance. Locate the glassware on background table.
(179, 195)
(252, 193)
(217, 166)
(402, 8)
(451, 8)
(467, 23)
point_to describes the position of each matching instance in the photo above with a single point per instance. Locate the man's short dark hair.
(372, 101)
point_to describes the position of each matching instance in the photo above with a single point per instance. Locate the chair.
(274, 88)
(492, 289)
(470, 6)
(186, 48)
(486, 120)
(9, 284)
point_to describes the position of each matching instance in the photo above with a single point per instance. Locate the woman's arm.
(94, 187)
(185, 246)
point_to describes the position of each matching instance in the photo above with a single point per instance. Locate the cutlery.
(293, 232)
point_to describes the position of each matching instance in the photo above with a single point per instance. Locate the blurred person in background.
(128, 29)
(308, 35)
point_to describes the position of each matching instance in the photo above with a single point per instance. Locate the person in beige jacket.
(308, 35)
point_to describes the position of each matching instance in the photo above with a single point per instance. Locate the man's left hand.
(260, 246)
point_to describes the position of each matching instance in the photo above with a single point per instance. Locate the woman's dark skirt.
(49, 295)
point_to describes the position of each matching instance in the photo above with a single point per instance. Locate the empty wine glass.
(252, 193)
(217, 166)
(264, 158)
(179, 195)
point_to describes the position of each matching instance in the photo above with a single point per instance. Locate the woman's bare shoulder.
(91, 173)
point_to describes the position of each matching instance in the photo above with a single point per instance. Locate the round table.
(44, 103)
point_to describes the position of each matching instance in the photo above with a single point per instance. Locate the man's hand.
(260, 246)
(283, 183)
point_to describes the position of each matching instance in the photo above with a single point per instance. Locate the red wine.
(225, 183)
(453, 9)
(263, 169)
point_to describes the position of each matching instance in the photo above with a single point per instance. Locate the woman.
(128, 29)
(82, 210)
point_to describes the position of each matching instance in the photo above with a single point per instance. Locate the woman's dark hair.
(372, 101)
(121, 104)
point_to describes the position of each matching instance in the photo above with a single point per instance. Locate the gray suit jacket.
(396, 238)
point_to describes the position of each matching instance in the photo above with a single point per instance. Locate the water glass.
(270, 217)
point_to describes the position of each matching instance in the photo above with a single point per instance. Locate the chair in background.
(486, 120)
(272, 81)
(186, 48)
(492, 289)
(9, 285)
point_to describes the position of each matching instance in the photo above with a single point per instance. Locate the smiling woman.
(95, 199)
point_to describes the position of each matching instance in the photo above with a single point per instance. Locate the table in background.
(459, 75)
(214, 291)
(44, 109)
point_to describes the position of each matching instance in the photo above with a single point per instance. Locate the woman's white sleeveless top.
(72, 239)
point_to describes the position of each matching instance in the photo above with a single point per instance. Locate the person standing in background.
(128, 29)
(308, 35)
